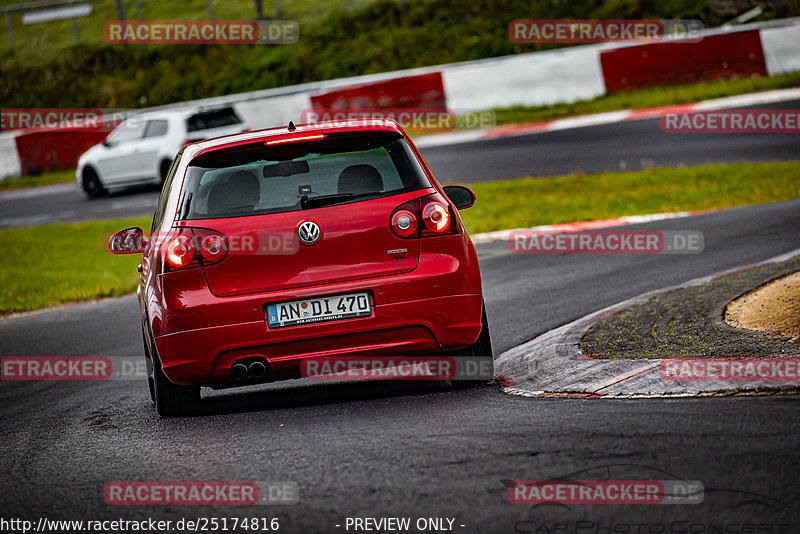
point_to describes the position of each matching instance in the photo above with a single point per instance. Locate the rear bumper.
(433, 308)
(205, 355)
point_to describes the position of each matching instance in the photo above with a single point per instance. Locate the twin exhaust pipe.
(248, 368)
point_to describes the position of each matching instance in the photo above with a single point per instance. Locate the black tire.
(171, 399)
(149, 364)
(164, 169)
(92, 185)
(478, 354)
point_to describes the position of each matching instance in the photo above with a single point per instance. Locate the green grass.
(57, 263)
(647, 98)
(535, 201)
(55, 177)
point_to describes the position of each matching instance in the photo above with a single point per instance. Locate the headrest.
(360, 179)
(241, 191)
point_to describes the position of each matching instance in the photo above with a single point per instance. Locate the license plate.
(318, 310)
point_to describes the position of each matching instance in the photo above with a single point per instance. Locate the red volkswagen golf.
(271, 248)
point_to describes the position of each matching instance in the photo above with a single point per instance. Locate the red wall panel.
(49, 150)
(422, 91)
(717, 56)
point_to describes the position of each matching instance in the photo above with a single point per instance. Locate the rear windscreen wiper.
(307, 202)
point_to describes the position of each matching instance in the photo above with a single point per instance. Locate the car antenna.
(292, 127)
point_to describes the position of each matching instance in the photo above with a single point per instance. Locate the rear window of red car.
(256, 179)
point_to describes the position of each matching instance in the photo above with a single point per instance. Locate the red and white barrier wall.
(10, 166)
(781, 49)
(540, 78)
(716, 56)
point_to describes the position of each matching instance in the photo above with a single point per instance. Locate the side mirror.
(128, 241)
(461, 196)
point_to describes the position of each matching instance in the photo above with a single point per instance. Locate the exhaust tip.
(258, 369)
(239, 371)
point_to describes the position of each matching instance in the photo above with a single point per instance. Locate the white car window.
(128, 131)
(156, 128)
(208, 120)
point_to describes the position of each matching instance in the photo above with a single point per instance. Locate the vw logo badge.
(309, 233)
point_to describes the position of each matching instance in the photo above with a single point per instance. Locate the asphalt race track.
(367, 450)
(629, 145)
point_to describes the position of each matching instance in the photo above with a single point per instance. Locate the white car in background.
(141, 149)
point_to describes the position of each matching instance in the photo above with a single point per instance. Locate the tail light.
(194, 247)
(180, 252)
(436, 217)
(428, 216)
(404, 223)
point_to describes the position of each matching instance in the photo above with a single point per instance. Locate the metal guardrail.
(36, 4)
